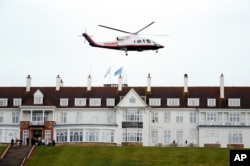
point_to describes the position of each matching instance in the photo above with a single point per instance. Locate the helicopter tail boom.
(90, 40)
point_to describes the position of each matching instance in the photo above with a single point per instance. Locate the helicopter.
(132, 42)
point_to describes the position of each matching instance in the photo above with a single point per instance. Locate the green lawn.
(106, 155)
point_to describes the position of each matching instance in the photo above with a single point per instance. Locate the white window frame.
(3, 102)
(193, 102)
(110, 102)
(95, 102)
(167, 116)
(211, 102)
(155, 117)
(63, 117)
(64, 102)
(173, 102)
(80, 102)
(193, 117)
(155, 101)
(17, 102)
(179, 117)
(234, 102)
(15, 117)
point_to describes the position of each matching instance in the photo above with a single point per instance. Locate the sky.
(205, 38)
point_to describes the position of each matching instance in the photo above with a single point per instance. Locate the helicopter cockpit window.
(148, 41)
(138, 41)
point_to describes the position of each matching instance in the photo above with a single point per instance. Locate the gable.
(132, 99)
(38, 93)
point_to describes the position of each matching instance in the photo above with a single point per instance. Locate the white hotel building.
(123, 115)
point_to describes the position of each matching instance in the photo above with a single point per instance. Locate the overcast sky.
(206, 38)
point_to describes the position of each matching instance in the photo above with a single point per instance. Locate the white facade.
(146, 115)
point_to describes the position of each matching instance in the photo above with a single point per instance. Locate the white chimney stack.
(89, 83)
(28, 83)
(58, 83)
(148, 83)
(185, 83)
(120, 83)
(61, 83)
(221, 85)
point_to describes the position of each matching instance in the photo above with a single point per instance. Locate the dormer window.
(193, 102)
(155, 102)
(173, 102)
(3, 102)
(17, 102)
(64, 102)
(38, 97)
(211, 102)
(234, 102)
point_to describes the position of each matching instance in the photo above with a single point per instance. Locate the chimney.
(89, 83)
(148, 83)
(120, 83)
(185, 83)
(221, 85)
(28, 83)
(61, 83)
(58, 83)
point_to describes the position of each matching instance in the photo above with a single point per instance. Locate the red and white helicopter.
(126, 43)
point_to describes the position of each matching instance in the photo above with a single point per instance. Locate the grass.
(106, 155)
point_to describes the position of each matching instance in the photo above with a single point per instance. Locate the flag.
(118, 72)
(108, 72)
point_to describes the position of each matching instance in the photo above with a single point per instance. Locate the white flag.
(108, 72)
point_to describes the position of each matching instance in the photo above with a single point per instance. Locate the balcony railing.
(36, 123)
(224, 123)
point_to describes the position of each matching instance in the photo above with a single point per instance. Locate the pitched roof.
(52, 97)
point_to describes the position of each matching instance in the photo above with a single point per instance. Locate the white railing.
(225, 123)
(36, 123)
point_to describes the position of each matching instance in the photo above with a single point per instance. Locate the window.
(76, 135)
(155, 102)
(80, 102)
(235, 137)
(110, 102)
(234, 117)
(192, 117)
(61, 135)
(131, 135)
(15, 117)
(95, 102)
(107, 136)
(211, 116)
(179, 137)
(193, 102)
(138, 41)
(148, 41)
(38, 97)
(193, 136)
(3, 102)
(1, 117)
(17, 102)
(234, 102)
(167, 136)
(132, 99)
(179, 117)
(132, 114)
(92, 135)
(63, 117)
(110, 117)
(37, 116)
(79, 117)
(211, 102)
(64, 102)
(25, 136)
(154, 117)
(154, 136)
(167, 117)
(173, 102)
(47, 136)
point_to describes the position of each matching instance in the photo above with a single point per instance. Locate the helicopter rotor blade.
(144, 28)
(115, 29)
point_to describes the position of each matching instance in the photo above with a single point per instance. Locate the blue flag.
(118, 72)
